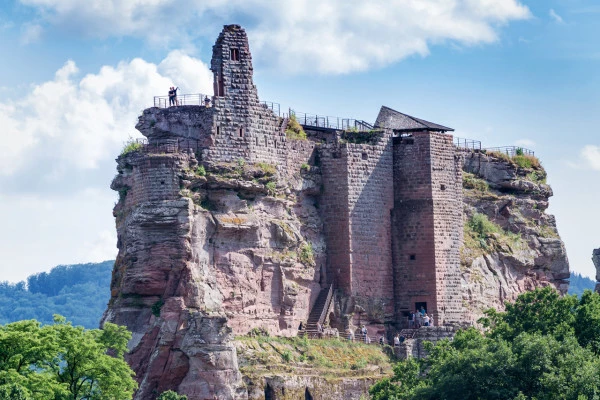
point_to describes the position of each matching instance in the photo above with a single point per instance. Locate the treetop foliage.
(64, 362)
(544, 347)
(79, 292)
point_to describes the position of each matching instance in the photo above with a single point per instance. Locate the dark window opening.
(442, 187)
(218, 130)
(235, 54)
(307, 395)
(419, 305)
(162, 182)
(241, 132)
(365, 156)
(412, 257)
(269, 392)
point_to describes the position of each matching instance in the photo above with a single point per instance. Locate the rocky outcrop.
(511, 243)
(596, 260)
(206, 252)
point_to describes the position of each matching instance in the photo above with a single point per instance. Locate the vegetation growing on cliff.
(482, 235)
(61, 361)
(130, 146)
(544, 347)
(325, 356)
(294, 130)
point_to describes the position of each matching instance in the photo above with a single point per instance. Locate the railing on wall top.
(511, 150)
(199, 99)
(327, 122)
(469, 144)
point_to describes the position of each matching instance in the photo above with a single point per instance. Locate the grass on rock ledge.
(329, 357)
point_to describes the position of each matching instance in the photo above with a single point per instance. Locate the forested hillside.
(79, 292)
(579, 283)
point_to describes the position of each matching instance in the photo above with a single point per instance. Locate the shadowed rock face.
(533, 256)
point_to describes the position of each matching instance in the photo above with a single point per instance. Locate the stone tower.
(244, 127)
(427, 222)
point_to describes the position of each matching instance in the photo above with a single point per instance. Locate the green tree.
(171, 395)
(544, 346)
(62, 361)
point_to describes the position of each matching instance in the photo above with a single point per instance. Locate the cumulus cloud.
(74, 122)
(555, 17)
(591, 156)
(325, 36)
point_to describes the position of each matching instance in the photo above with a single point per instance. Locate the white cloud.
(557, 18)
(591, 156)
(72, 122)
(326, 36)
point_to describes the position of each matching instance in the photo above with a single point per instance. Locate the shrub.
(287, 356)
(171, 395)
(156, 307)
(294, 130)
(130, 146)
(268, 169)
(519, 151)
(470, 181)
(271, 188)
(482, 226)
(526, 161)
(305, 167)
(306, 254)
(201, 171)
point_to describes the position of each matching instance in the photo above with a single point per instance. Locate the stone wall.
(446, 188)
(415, 347)
(427, 226)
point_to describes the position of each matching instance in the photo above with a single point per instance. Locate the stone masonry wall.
(244, 128)
(413, 233)
(370, 200)
(336, 215)
(446, 183)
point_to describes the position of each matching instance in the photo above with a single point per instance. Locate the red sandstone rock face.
(517, 204)
(202, 258)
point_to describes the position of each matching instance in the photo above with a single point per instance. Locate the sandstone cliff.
(205, 252)
(510, 244)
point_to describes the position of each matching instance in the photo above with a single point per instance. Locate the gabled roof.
(400, 122)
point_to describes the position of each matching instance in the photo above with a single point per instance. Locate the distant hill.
(579, 283)
(79, 292)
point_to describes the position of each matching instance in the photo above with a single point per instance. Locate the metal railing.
(195, 99)
(199, 99)
(511, 151)
(468, 144)
(323, 315)
(327, 122)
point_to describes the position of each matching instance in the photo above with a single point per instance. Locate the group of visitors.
(174, 101)
(419, 318)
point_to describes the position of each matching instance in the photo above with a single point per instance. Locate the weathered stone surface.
(225, 225)
(516, 204)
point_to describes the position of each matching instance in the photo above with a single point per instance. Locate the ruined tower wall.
(370, 199)
(243, 127)
(446, 183)
(336, 215)
(413, 233)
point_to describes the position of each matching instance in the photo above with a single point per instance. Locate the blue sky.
(76, 75)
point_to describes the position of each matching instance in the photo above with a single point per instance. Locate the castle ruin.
(225, 224)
